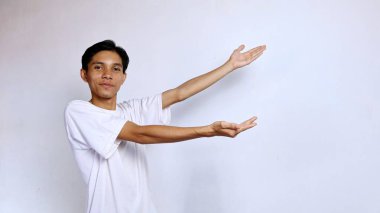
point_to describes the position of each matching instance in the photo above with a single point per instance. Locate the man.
(109, 139)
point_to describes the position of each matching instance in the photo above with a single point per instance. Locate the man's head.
(104, 45)
(103, 68)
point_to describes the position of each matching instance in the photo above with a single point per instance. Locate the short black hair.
(104, 45)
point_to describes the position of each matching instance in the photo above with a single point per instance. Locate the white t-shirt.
(115, 171)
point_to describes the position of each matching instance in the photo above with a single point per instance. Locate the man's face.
(104, 75)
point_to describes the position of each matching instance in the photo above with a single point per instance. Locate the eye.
(117, 69)
(97, 67)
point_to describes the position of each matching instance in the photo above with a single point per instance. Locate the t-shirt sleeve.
(88, 128)
(148, 110)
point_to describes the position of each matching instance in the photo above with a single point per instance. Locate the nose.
(107, 74)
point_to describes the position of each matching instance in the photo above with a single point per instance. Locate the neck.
(105, 103)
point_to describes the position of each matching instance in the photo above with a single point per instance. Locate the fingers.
(255, 56)
(256, 53)
(235, 132)
(240, 48)
(234, 126)
(252, 51)
(245, 127)
(247, 124)
(252, 56)
(251, 120)
(233, 129)
(228, 125)
(255, 49)
(261, 47)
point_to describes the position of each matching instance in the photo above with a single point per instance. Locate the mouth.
(106, 85)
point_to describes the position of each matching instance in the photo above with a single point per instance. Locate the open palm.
(228, 129)
(239, 59)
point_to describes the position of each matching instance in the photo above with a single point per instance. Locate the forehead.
(107, 57)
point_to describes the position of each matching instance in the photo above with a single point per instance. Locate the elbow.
(133, 132)
(140, 137)
(145, 140)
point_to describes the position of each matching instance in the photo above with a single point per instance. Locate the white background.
(315, 90)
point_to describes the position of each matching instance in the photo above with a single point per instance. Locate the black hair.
(104, 45)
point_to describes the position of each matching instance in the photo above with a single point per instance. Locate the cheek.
(92, 82)
(118, 85)
(94, 77)
(120, 80)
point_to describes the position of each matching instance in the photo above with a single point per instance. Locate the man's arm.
(152, 134)
(197, 84)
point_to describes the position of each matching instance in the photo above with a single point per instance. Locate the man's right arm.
(151, 134)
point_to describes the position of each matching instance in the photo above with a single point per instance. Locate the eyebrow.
(98, 62)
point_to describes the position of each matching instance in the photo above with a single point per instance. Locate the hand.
(223, 128)
(238, 59)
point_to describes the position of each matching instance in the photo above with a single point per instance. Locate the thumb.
(240, 48)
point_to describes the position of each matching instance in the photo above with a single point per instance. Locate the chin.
(106, 95)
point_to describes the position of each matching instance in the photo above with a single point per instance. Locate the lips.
(106, 85)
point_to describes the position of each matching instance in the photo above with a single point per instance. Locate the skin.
(105, 77)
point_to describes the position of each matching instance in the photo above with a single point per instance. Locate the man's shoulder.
(142, 99)
(76, 104)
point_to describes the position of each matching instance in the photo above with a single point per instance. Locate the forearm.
(197, 84)
(236, 60)
(151, 134)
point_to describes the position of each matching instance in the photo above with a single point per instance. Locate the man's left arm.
(198, 84)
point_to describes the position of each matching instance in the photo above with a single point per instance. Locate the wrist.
(206, 131)
(229, 66)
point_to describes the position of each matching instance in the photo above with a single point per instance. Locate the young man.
(109, 139)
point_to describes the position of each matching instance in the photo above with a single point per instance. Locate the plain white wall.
(315, 91)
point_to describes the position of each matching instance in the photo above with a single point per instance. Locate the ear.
(83, 75)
